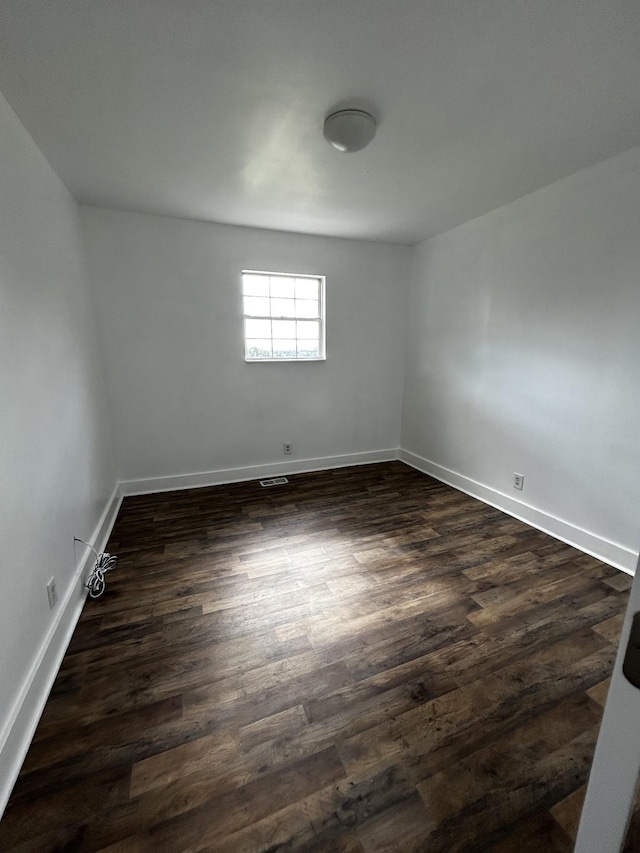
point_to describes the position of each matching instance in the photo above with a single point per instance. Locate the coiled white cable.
(104, 563)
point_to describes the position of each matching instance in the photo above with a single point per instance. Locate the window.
(283, 316)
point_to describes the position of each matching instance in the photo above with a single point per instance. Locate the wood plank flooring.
(362, 661)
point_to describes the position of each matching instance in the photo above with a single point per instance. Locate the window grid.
(283, 316)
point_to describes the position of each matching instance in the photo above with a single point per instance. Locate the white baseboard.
(152, 485)
(590, 543)
(18, 731)
(603, 549)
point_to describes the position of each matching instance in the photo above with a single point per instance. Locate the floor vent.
(276, 481)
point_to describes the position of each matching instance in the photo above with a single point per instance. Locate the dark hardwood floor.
(364, 660)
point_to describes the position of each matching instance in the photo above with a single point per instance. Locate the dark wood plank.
(363, 661)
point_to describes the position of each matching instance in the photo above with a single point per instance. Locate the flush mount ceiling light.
(349, 130)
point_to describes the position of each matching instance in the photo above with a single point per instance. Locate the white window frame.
(321, 318)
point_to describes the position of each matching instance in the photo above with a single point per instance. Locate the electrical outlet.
(52, 593)
(287, 448)
(518, 481)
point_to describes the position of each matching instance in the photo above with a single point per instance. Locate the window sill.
(281, 360)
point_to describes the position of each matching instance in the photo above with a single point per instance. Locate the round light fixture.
(349, 130)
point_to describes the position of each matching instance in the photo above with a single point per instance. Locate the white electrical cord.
(104, 563)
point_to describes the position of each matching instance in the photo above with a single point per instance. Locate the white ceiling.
(213, 109)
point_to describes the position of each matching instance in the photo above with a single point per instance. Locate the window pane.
(255, 285)
(283, 308)
(308, 329)
(306, 288)
(257, 328)
(259, 348)
(284, 328)
(308, 349)
(284, 349)
(282, 287)
(256, 305)
(283, 316)
(306, 308)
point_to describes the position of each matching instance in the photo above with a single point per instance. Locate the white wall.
(56, 466)
(185, 401)
(524, 355)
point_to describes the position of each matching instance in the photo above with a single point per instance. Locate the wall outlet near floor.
(287, 448)
(52, 593)
(518, 481)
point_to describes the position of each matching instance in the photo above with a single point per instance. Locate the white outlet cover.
(52, 593)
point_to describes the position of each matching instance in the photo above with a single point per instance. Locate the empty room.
(319, 426)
